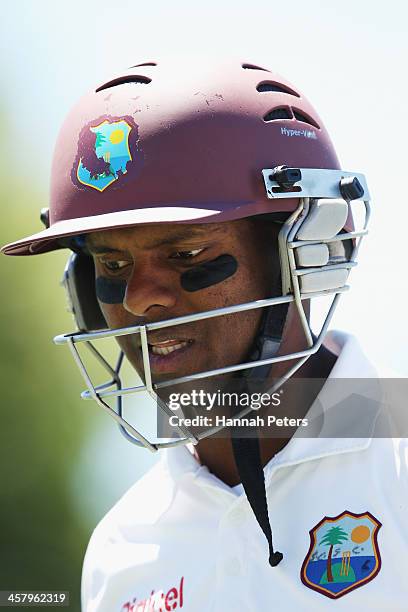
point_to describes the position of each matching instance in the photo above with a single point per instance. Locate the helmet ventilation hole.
(253, 67)
(305, 118)
(270, 86)
(145, 64)
(138, 80)
(278, 113)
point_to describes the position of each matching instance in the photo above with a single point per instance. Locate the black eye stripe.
(110, 290)
(209, 273)
(201, 276)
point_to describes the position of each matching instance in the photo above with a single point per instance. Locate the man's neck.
(217, 454)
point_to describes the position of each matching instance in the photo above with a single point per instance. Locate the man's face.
(149, 273)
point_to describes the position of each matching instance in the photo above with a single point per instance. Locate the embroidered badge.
(104, 152)
(343, 554)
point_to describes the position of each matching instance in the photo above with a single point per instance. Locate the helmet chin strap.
(246, 448)
(247, 457)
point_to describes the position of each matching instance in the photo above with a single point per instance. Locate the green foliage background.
(43, 424)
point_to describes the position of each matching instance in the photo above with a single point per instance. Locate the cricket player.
(205, 210)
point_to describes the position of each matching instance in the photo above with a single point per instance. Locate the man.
(206, 208)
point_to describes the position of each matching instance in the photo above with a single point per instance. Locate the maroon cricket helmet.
(164, 143)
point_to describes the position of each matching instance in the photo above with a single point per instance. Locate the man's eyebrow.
(97, 249)
(184, 234)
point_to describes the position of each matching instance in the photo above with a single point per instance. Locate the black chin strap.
(247, 453)
(247, 456)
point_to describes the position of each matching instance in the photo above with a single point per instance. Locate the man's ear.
(79, 283)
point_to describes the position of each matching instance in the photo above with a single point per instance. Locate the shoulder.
(136, 505)
(140, 507)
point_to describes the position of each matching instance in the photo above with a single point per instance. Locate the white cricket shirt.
(180, 539)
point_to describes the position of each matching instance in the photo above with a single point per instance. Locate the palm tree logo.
(335, 535)
(343, 554)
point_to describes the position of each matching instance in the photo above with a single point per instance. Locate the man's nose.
(149, 287)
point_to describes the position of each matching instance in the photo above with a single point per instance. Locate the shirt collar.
(345, 408)
(351, 364)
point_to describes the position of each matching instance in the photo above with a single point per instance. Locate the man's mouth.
(167, 346)
(169, 355)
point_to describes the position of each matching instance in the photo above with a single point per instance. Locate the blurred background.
(63, 463)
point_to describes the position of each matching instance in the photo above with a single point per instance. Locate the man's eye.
(114, 266)
(186, 254)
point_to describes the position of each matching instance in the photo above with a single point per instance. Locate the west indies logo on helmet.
(104, 156)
